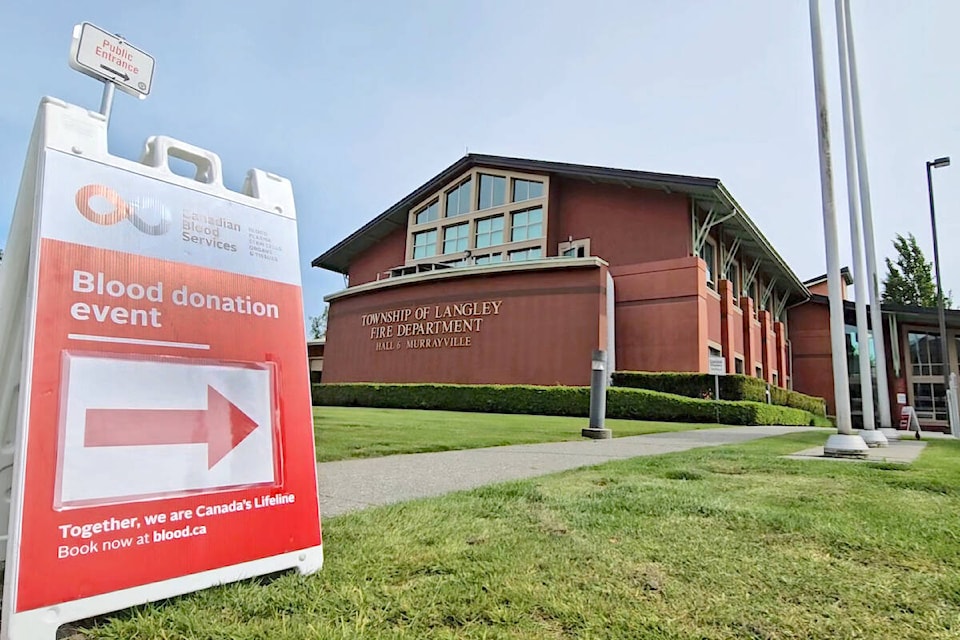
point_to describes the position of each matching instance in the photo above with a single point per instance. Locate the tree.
(910, 280)
(318, 325)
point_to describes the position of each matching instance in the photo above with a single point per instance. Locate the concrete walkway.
(351, 485)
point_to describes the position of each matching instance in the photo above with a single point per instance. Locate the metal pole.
(106, 100)
(844, 442)
(936, 265)
(869, 241)
(598, 399)
(872, 437)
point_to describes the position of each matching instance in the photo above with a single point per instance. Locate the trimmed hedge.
(732, 387)
(632, 404)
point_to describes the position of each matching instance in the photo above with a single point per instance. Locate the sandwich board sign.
(154, 392)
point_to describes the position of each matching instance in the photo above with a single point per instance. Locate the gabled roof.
(844, 273)
(708, 193)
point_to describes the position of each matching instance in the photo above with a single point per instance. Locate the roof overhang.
(905, 314)
(705, 192)
(752, 242)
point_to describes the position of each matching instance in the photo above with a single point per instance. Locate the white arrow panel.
(102, 475)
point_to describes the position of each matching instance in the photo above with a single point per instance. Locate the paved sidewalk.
(351, 485)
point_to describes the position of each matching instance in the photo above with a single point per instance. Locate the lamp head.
(940, 162)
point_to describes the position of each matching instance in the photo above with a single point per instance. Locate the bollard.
(598, 399)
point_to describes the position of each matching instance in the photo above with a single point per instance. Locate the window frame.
(513, 189)
(506, 185)
(477, 233)
(415, 213)
(413, 243)
(506, 209)
(513, 227)
(711, 268)
(450, 227)
(736, 282)
(458, 188)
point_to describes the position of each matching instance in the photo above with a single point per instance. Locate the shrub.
(732, 387)
(633, 404)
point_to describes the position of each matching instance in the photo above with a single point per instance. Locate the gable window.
(425, 244)
(489, 232)
(493, 191)
(474, 213)
(458, 199)
(428, 213)
(525, 254)
(527, 225)
(710, 257)
(455, 237)
(526, 190)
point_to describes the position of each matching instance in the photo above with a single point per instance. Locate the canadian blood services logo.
(88, 196)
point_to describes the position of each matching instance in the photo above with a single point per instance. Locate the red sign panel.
(169, 423)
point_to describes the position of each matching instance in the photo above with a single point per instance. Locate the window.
(455, 238)
(493, 191)
(930, 401)
(927, 362)
(738, 365)
(525, 254)
(428, 213)
(489, 232)
(526, 190)
(735, 280)
(926, 356)
(527, 225)
(424, 244)
(490, 259)
(776, 379)
(458, 199)
(759, 372)
(710, 257)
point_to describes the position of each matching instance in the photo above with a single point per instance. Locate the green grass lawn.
(352, 432)
(714, 543)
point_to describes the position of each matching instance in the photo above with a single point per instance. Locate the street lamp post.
(936, 164)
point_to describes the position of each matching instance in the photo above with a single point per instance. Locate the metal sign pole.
(106, 100)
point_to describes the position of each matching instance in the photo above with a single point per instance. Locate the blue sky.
(360, 103)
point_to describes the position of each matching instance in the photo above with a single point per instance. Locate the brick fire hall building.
(512, 271)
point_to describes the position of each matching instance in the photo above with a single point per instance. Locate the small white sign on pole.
(108, 57)
(717, 366)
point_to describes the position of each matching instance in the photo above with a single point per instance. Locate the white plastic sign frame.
(157, 433)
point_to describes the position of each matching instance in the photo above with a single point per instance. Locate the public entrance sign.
(105, 56)
(162, 427)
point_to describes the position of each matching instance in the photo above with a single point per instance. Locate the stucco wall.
(537, 327)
